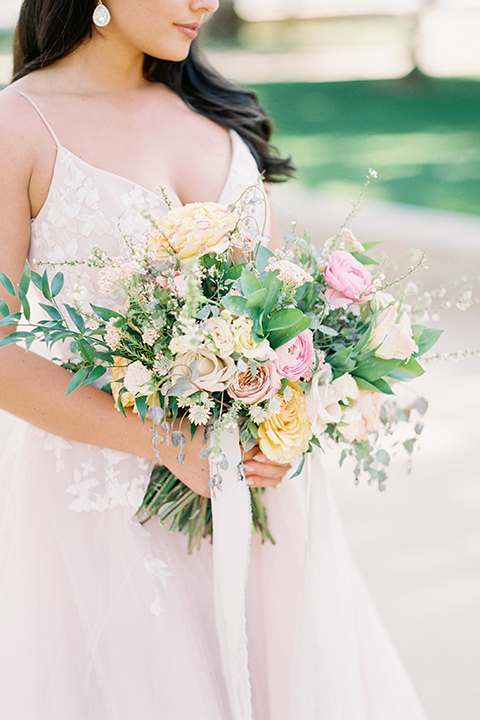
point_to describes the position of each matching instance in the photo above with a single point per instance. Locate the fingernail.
(249, 482)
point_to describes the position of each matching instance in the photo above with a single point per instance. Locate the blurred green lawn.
(422, 137)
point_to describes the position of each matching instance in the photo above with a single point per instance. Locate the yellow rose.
(119, 369)
(192, 230)
(285, 435)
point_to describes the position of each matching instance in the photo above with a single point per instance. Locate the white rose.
(353, 428)
(346, 388)
(392, 338)
(221, 336)
(214, 372)
(244, 342)
(180, 344)
(382, 300)
(322, 401)
(137, 378)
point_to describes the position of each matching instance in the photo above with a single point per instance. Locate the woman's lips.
(190, 30)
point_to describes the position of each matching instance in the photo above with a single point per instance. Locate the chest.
(178, 149)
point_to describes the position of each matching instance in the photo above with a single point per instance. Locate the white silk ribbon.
(232, 523)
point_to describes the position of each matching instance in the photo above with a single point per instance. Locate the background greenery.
(421, 135)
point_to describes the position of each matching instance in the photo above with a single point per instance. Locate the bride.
(102, 618)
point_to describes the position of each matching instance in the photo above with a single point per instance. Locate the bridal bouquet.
(205, 327)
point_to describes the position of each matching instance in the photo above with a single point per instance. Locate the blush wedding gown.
(104, 619)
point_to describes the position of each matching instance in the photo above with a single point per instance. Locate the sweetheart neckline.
(61, 148)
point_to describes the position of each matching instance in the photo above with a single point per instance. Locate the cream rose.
(244, 343)
(214, 372)
(221, 336)
(392, 337)
(137, 377)
(252, 389)
(322, 401)
(286, 435)
(192, 230)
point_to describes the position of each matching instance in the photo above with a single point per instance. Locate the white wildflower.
(199, 415)
(259, 414)
(274, 405)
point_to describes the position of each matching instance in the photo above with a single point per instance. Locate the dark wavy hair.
(48, 30)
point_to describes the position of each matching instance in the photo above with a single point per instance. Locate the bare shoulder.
(19, 131)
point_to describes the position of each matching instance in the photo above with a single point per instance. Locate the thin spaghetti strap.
(34, 104)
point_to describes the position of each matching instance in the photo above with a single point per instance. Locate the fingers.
(264, 473)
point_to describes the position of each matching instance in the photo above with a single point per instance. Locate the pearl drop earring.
(101, 15)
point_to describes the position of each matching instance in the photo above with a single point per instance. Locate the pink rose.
(296, 357)
(250, 389)
(348, 280)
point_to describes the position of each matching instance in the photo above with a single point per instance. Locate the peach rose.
(296, 357)
(285, 435)
(362, 417)
(349, 282)
(214, 372)
(192, 230)
(253, 389)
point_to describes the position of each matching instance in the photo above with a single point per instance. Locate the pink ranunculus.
(296, 357)
(252, 389)
(349, 282)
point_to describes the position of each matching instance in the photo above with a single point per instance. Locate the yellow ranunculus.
(192, 230)
(285, 435)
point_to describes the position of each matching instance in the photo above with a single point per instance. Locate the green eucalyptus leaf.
(76, 318)
(234, 272)
(407, 370)
(377, 386)
(15, 337)
(376, 368)
(10, 319)
(425, 338)
(36, 279)
(141, 403)
(78, 379)
(257, 299)
(364, 259)
(235, 304)
(4, 308)
(105, 313)
(273, 286)
(45, 286)
(25, 304)
(24, 283)
(262, 255)
(86, 350)
(52, 311)
(57, 284)
(249, 282)
(7, 284)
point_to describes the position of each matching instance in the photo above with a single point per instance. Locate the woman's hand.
(262, 472)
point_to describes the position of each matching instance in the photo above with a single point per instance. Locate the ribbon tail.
(232, 523)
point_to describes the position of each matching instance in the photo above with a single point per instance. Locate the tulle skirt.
(106, 619)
